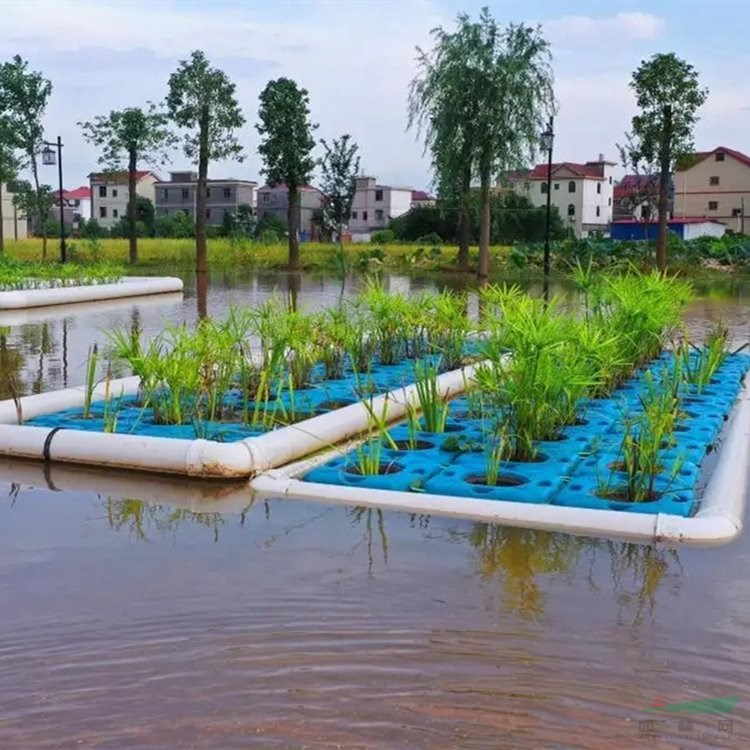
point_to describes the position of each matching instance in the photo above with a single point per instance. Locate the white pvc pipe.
(129, 286)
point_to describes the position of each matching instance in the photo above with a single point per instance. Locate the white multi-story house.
(14, 223)
(76, 202)
(582, 193)
(109, 194)
(375, 205)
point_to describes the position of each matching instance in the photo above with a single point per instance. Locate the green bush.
(383, 236)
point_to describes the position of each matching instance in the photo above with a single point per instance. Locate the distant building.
(421, 198)
(180, 192)
(76, 202)
(273, 200)
(687, 229)
(582, 193)
(714, 184)
(375, 205)
(14, 223)
(109, 194)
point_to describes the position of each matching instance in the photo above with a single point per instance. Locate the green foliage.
(384, 237)
(52, 228)
(270, 224)
(90, 229)
(181, 224)
(339, 168)
(15, 275)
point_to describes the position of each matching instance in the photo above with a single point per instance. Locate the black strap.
(48, 443)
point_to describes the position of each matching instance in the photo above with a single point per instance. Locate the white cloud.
(607, 29)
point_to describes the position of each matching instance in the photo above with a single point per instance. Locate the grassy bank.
(223, 253)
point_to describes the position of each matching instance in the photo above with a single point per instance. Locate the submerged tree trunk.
(132, 198)
(464, 232)
(293, 227)
(201, 249)
(665, 151)
(483, 269)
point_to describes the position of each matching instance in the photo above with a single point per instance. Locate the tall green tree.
(131, 136)
(25, 94)
(33, 201)
(481, 97)
(339, 169)
(202, 100)
(286, 147)
(668, 96)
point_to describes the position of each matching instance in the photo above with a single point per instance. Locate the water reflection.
(364, 515)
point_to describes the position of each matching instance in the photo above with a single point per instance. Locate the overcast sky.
(356, 58)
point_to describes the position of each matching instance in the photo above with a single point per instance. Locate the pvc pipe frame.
(718, 520)
(129, 286)
(192, 458)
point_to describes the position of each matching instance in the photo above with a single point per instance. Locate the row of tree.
(201, 112)
(480, 100)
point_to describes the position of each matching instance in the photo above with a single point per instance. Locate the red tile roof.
(632, 183)
(421, 195)
(699, 156)
(587, 171)
(118, 177)
(80, 193)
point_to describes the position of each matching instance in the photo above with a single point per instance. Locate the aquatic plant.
(92, 362)
(369, 452)
(433, 404)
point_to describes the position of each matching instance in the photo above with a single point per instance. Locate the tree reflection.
(360, 514)
(637, 572)
(11, 367)
(142, 519)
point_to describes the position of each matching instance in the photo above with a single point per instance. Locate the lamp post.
(48, 159)
(547, 139)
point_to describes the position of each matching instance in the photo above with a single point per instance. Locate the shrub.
(383, 236)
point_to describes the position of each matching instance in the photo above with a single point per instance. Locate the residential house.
(716, 185)
(14, 223)
(582, 193)
(109, 194)
(273, 200)
(76, 205)
(375, 205)
(421, 198)
(223, 197)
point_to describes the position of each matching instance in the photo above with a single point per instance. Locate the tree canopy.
(339, 168)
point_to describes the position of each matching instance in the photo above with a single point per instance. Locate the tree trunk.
(2, 222)
(201, 250)
(37, 203)
(665, 152)
(293, 227)
(132, 199)
(201, 294)
(464, 222)
(483, 269)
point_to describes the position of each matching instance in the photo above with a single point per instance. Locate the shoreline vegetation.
(694, 258)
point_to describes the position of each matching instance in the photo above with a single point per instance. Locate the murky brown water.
(128, 624)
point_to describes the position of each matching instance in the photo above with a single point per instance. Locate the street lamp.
(49, 158)
(547, 139)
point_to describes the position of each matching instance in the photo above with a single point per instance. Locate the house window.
(266, 197)
(378, 214)
(115, 213)
(364, 215)
(557, 186)
(378, 195)
(720, 156)
(227, 192)
(572, 186)
(185, 194)
(102, 191)
(713, 180)
(598, 188)
(208, 192)
(165, 194)
(208, 213)
(713, 205)
(114, 192)
(736, 212)
(598, 211)
(571, 209)
(102, 212)
(544, 187)
(609, 203)
(354, 214)
(610, 179)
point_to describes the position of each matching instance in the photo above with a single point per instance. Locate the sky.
(356, 59)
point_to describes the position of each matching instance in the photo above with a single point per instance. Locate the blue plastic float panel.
(133, 419)
(568, 472)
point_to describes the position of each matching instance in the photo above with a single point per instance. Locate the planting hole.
(419, 445)
(503, 480)
(384, 469)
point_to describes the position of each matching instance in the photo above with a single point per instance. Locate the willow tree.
(668, 96)
(131, 136)
(482, 98)
(286, 147)
(202, 100)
